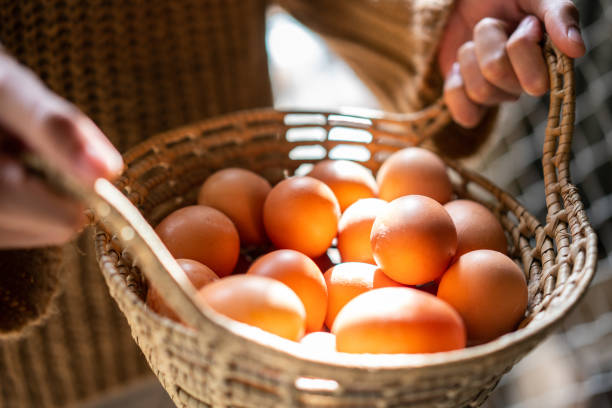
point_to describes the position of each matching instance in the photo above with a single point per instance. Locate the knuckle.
(60, 126)
(537, 85)
(57, 122)
(480, 93)
(486, 23)
(515, 43)
(496, 67)
(465, 49)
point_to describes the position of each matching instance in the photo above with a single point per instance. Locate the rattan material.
(225, 364)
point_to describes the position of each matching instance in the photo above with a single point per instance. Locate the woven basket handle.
(559, 128)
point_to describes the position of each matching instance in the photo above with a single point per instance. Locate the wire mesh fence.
(573, 368)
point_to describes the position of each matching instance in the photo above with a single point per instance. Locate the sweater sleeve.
(392, 46)
(29, 280)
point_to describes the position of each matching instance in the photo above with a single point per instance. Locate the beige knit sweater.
(141, 67)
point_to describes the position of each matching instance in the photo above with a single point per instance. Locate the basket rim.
(252, 336)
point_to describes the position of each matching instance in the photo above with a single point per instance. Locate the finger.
(525, 53)
(52, 127)
(476, 86)
(490, 36)
(560, 18)
(455, 34)
(27, 205)
(20, 238)
(465, 112)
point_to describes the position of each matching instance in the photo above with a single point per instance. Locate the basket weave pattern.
(226, 366)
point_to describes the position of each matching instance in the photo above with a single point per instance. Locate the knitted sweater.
(141, 67)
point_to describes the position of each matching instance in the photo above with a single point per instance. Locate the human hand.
(490, 51)
(32, 118)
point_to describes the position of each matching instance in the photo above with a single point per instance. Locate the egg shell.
(302, 213)
(203, 234)
(319, 342)
(488, 290)
(398, 320)
(477, 227)
(302, 275)
(240, 194)
(354, 230)
(414, 170)
(199, 275)
(413, 240)
(348, 280)
(258, 301)
(348, 180)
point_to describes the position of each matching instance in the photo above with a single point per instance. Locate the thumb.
(561, 21)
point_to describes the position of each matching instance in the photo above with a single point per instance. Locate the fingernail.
(573, 33)
(101, 151)
(107, 160)
(526, 22)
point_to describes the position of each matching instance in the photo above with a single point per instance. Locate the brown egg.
(414, 171)
(258, 301)
(199, 275)
(488, 290)
(320, 342)
(354, 230)
(302, 275)
(203, 234)
(347, 280)
(477, 227)
(239, 194)
(413, 240)
(398, 320)
(302, 213)
(348, 180)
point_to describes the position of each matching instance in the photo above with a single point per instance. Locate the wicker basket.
(220, 363)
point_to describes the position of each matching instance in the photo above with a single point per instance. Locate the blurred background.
(573, 368)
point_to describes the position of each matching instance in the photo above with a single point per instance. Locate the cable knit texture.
(26, 290)
(141, 67)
